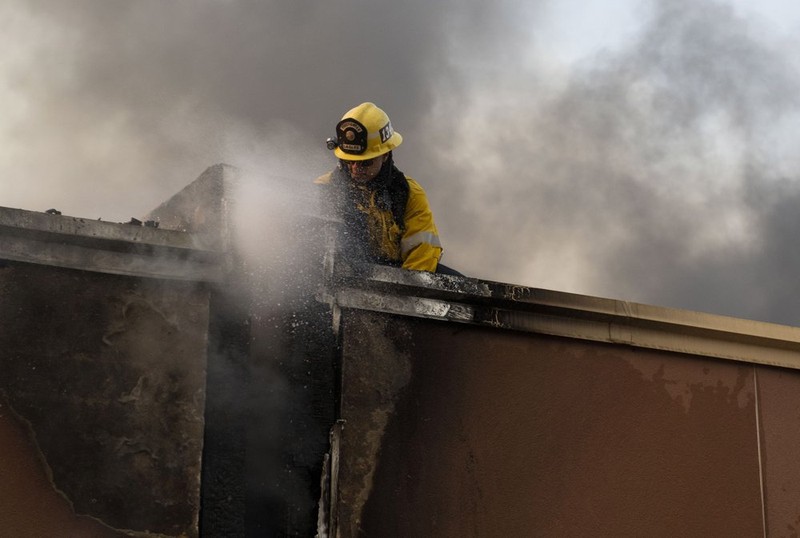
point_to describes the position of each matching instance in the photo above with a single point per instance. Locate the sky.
(635, 150)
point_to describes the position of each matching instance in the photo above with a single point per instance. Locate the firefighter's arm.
(420, 246)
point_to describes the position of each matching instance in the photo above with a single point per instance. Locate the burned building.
(147, 390)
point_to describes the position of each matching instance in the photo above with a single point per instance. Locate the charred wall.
(152, 385)
(102, 388)
(271, 368)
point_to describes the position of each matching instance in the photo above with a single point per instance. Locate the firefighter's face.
(365, 171)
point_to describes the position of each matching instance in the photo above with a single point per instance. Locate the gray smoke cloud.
(661, 171)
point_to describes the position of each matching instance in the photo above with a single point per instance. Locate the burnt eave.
(473, 301)
(99, 246)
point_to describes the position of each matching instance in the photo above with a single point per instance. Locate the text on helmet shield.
(351, 136)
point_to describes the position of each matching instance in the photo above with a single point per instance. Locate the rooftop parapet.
(508, 306)
(106, 247)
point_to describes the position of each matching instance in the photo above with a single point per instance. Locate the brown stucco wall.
(779, 414)
(488, 432)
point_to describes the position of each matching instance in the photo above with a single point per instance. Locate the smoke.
(127, 101)
(659, 171)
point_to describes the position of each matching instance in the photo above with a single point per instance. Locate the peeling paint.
(684, 379)
(28, 483)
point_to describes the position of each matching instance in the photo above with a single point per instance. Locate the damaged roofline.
(105, 247)
(505, 306)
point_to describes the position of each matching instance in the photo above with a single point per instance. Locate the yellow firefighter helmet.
(365, 132)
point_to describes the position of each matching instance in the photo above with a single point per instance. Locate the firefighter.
(386, 216)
